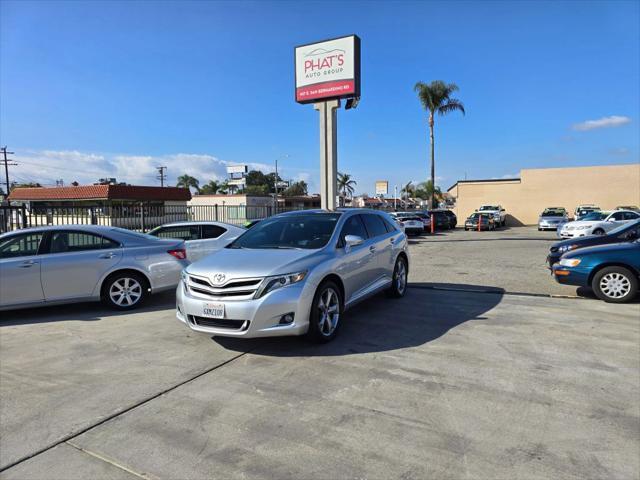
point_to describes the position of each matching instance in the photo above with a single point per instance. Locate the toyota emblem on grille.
(219, 278)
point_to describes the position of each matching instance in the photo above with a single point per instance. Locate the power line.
(6, 168)
(162, 176)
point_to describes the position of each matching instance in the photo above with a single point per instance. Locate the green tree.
(425, 191)
(256, 190)
(256, 177)
(210, 188)
(436, 98)
(346, 186)
(295, 189)
(187, 181)
(407, 190)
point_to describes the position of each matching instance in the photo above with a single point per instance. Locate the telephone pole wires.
(6, 168)
(162, 176)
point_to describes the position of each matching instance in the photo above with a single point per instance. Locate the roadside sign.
(327, 70)
(382, 187)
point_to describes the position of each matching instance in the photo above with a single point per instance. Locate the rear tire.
(615, 285)
(399, 280)
(326, 310)
(125, 290)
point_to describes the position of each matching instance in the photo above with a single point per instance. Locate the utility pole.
(275, 183)
(6, 169)
(395, 198)
(162, 176)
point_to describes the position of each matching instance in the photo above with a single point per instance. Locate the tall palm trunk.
(433, 163)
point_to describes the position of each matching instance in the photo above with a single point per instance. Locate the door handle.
(27, 264)
(107, 255)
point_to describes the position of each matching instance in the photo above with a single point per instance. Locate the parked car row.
(292, 274)
(419, 221)
(609, 263)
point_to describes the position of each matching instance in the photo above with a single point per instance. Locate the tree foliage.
(187, 181)
(296, 189)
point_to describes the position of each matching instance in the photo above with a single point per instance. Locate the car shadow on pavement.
(85, 311)
(380, 324)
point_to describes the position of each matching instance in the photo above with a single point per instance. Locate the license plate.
(213, 310)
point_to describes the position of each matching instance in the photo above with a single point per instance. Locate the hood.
(610, 248)
(244, 263)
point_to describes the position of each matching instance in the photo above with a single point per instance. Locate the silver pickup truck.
(499, 213)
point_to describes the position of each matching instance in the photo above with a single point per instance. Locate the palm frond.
(451, 105)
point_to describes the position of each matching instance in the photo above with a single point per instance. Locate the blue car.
(612, 271)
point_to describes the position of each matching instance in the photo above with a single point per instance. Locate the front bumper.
(254, 318)
(548, 225)
(571, 276)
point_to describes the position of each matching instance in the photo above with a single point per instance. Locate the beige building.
(524, 198)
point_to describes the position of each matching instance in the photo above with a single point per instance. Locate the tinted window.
(20, 245)
(618, 216)
(353, 226)
(389, 225)
(307, 231)
(78, 242)
(212, 231)
(630, 216)
(594, 216)
(182, 232)
(375, 225)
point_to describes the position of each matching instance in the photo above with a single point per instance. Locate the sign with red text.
(327, 70)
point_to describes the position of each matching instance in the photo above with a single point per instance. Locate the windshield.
(307, 231)
(553, 212)
(594, 216)
(488, 207)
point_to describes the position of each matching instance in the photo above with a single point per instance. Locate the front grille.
(234, 289)
(219, 323)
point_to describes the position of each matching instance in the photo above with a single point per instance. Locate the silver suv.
(295, 274)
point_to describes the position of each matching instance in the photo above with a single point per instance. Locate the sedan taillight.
(179, 253)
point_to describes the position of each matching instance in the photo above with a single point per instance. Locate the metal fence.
(140, 217)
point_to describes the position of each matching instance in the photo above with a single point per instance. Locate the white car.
(597, 223)
(201, 238)
(499, 213)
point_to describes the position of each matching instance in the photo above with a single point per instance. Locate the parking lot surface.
(511, 259)
(440, 384)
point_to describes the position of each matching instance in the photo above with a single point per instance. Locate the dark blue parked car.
(627, 232)
(612, 271)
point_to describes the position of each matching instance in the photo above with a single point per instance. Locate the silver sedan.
(294, 274)
(72, 263)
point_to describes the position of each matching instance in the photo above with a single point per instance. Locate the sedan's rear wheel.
(615, 284)
(124, 291)
(324, 320)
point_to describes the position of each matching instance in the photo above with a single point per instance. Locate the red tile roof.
(101, 192)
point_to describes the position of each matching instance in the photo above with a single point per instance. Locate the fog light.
(286, 319)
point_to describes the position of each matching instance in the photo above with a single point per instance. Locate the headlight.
(583, 227)
(279, 281)
(566, 248)
(570, 262)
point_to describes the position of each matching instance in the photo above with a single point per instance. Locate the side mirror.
(352, 241)
(611, 220)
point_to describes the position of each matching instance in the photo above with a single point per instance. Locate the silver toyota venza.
(73, 263)
(294, 274)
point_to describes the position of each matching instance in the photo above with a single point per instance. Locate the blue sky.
(113, 88)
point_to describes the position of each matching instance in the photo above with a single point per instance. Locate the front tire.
(399, 281)
(615, 285)
(124, 291)
(326, 309)
(598, 231)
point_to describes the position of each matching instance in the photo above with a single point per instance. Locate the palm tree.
(436, 98)
(406, 191)
(187, 181)
(210, 188)
(346, 184)
(425, 191)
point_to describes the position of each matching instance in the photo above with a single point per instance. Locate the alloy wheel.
(329, 307)
(125, 292)
(615, 285)
(401, 277)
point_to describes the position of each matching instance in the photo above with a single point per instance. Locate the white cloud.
(604, 122)
(47, 166)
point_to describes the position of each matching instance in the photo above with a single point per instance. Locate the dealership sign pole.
(325, 73)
